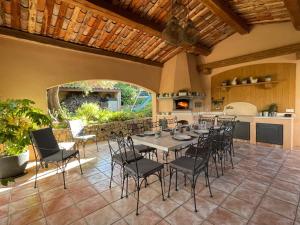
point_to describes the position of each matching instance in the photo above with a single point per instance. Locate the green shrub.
(88, 111)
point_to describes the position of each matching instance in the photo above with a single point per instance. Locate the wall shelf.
(269, 84)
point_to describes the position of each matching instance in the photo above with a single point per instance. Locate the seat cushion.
(143, 148)
(62, 154)
(66, 145)
(186, 164)
(85, 137)
(146, 167)
(119, 158)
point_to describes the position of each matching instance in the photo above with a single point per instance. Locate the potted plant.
(273, 109)
(17, 119)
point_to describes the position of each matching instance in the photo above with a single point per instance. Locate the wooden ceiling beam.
(284, 50)
(293, 7)
(106, 9)
(221, 9)
(73, 46)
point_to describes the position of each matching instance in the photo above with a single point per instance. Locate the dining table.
(167, 142)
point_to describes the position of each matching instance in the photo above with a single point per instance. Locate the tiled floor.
(262, 189)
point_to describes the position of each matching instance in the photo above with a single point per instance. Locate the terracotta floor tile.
(240, 207)
(224, 217)
(258, 187)
(79, 222)
(286, 186)
(103, 185)
(91, 204)
(145, 215)
(247, 195)
(206, 223)
(29, 215)
(148, 194)
(204, 207)
(24, 203)
(4, 199)
(112, 194)
(280, 207)
(259, 178)
(4, 221)
(53, 193)
(57, 204)
(106, 215)
(283, 195)
(96, 178)
(65, 216)
(218, 196)
(83, 193)
(120, 222)
(180, 196)
(183, 216)
(3, 211)
(39, 222)
(162, 208)
(223, 186)
(298, 214)
(163, 222)
(264, 217)
(125, 205)
(22, 193)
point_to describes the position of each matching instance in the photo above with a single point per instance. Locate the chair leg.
(161, 186)
(127, 186)
(97, 144)
(215, 161)
(123, 181)
(230, 155)
(138, 196)
(63, 173)
(36, 173)
(194, 194)
(231, 146)
(83, 148)
(155, 152)
(171, 174)
(207, 178)
(176, 176)
(78, 158)
(112, 173)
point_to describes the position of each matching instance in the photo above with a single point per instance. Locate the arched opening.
(99, 101)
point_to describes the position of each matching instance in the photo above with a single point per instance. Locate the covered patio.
(224, 78)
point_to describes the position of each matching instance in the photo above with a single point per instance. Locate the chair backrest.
(118, 146)
(130, 144)
(44, 142)
(76, 127)
(203, 150)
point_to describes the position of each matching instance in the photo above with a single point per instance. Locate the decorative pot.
(12, 166)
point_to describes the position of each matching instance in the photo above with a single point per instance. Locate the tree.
(128, 93)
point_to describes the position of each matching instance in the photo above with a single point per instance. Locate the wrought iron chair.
(119, 155)
(140, 170)
(193, 165)
(145, 150)
(79, 135)
(47, 150)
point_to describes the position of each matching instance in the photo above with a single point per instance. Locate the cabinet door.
(269, 133)
(242, 130)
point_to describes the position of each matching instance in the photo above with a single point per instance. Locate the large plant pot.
(12, 166)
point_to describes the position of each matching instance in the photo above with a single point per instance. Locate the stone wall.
(103, 130)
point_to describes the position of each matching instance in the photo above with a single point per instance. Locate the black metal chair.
(47, 150)
(182, 122)
(193, 165)
(140, 170)
(118, 154)
(79, 135)
(145, 150)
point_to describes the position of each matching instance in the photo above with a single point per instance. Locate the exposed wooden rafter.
(284, 50)
(293, 7)
(221, 9)
(107, 9)
(73, 46)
